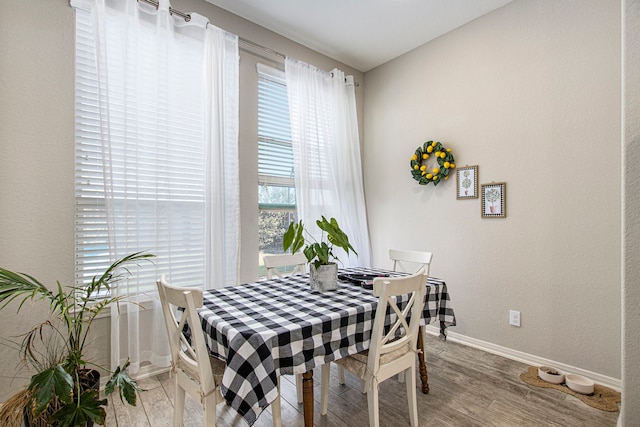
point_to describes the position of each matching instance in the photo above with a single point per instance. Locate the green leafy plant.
(320, 253)
(60, 392)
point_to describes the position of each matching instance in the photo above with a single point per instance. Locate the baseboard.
(148, 371)
(529, 359)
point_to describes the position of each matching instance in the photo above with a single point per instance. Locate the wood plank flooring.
(469, 387)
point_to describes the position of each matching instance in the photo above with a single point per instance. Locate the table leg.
(307, 398)
(424, 376)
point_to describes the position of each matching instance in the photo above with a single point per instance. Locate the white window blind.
(91, 237)
(155, 164)
(276, 186)
(275, 154)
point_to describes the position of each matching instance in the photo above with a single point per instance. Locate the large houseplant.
(63, 392)
(323, 270)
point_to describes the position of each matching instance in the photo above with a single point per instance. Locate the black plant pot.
(91, 379)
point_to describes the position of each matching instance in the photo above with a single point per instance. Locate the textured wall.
(531, 94)
(631, 207)
(36, 157)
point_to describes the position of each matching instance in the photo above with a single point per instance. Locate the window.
(156, 177)
(276, 186)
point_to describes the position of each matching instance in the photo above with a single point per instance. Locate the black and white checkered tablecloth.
(280, 326)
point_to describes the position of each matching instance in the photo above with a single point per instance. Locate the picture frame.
(467, 182)
(494, 198)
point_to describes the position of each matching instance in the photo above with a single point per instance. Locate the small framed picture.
(494, 200)
(467, 182)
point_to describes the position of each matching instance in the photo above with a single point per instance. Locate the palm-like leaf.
(127, 386)
(52, 381)
(41, 335)
(88, 407)
(116, 272)
(17, 285)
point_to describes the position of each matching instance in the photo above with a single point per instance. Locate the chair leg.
(209, 411)
(324, 387)
(410, 380)
(340, 374)
(178, 404)
(372, 399)
(299, 387)
(276, 409)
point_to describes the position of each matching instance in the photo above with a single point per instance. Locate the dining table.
(280, 326)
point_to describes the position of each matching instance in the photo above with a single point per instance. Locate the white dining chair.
(410, 261)
(273, 262)
(389, 352)
(194, 370)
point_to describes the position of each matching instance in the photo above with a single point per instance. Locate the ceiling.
(360, 33)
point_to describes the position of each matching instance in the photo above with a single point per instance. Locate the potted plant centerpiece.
(64, 391)
(323, 270)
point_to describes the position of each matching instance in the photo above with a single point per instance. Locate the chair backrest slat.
(401, 258)
(273, 262)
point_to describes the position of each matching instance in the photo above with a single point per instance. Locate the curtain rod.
(187, 18)
(156, 4)
(259, 46)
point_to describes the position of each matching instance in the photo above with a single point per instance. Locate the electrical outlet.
(514, 318)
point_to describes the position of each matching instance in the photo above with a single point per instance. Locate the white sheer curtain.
(326, 150)
(167, 112)
(222, 185)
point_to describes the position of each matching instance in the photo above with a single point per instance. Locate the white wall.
(37, 150)
(36, 157)
(531, 94)
(631, 220)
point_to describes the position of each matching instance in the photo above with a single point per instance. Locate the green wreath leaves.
(444, 158)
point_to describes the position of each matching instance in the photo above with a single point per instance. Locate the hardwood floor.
(468, 388)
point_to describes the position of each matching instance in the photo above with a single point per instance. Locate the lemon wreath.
(444, 158)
